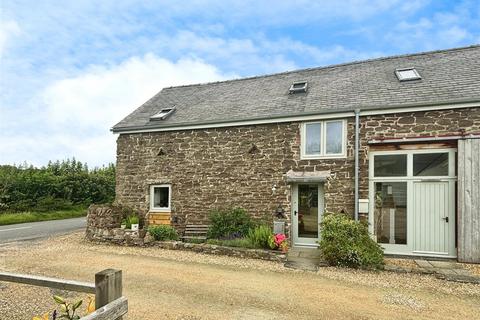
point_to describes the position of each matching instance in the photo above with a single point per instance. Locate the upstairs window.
(160, 197)
(324, 139)
(297, 87)
(407, 74)
(162, 114)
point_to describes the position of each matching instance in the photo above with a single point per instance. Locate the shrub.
(49, 203)
(163, 232)
(261, 237)
(345, 242)
(54, 187)
(224, 223)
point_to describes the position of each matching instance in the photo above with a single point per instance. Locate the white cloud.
(101, 96)
(440, 30)
(8, 30)
(78, 112)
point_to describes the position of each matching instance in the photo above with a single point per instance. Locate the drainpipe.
(357, 168)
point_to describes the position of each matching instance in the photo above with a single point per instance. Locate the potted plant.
(134, 223)
(123, 224)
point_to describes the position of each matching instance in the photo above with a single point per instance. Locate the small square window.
(407, 74)
(391, 165)
(300, 86)
(162, 114)
(160, 197)
(430, 164)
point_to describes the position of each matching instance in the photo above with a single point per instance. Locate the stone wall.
(223, 167)
(140, 238)
(238, 166)
(102, 219)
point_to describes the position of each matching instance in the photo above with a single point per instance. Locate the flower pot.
(134, 226)
(123, 226)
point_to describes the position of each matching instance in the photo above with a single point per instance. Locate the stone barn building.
(393, 140)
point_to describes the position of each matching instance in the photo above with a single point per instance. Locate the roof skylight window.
(299, 86)
(163, 114)
(407, 74)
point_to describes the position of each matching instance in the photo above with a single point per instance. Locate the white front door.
(434, 219)
(307, 211)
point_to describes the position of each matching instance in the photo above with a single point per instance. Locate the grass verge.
(33, 216)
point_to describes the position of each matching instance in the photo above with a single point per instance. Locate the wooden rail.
(114, 310)
(40, 281)
(109, 302)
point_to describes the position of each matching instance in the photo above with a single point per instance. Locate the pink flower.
(279, 238)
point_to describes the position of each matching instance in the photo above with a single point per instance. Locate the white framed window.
(163, 114)
(160, 197)
(323, 139)
(407, 74)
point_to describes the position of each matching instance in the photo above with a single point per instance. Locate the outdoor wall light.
(274, 188)
(279, 212)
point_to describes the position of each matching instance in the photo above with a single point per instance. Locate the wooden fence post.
(108, 287)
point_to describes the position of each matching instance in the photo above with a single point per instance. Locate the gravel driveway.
(163, 284)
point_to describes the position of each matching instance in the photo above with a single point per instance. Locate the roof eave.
(367, 110)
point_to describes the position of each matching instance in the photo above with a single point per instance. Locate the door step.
(307, 266)
(304, 259)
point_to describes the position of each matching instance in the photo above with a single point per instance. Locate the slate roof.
(447, 76)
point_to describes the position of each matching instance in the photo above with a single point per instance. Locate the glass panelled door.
(412, 200)
(307, 210)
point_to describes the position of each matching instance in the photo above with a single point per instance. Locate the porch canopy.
(307, 177)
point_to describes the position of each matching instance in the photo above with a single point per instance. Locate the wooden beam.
(41, 281)
(114, 310)
(108, 285)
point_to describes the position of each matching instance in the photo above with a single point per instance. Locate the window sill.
(323, 157)
(155, 210)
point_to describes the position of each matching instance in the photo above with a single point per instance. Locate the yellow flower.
(45, 317)
(91, 305)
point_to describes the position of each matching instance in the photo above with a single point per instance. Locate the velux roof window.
(407, 74)
(299, 86)
(163, 114)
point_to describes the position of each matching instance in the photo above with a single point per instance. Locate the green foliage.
(345, 242)
(261, 237)
(32, 216)
(163, 232)
(132, 220)
(57, 186)
(239, 242)
(67, 309)
(224, 223)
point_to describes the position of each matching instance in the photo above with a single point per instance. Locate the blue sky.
(70, 70)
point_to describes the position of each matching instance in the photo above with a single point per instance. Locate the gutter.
(357, 167)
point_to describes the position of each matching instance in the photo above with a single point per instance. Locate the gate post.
(108, 287)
